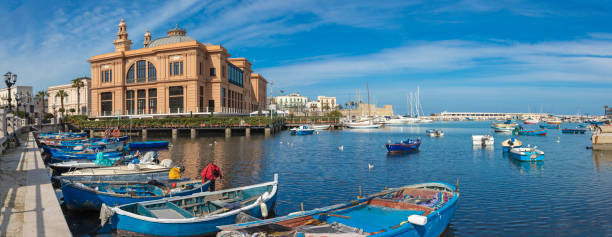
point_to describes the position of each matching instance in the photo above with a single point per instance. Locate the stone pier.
(30, 207)
(247, 132)
(174, 133)
(228, 132)
(144, 133)
(194, 133)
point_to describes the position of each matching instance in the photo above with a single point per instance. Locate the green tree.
(41, 96)
(78, 84)
(61, 94)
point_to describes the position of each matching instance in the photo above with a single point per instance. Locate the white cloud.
(579, 61)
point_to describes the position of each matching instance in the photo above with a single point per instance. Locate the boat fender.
(417, 220)
(264, 209)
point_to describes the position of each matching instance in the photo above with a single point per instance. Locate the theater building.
(172, 75)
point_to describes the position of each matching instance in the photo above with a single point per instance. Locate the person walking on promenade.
(211, 172)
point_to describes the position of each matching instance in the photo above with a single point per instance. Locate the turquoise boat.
(527, 154)
(193, 215)
(526, 132)
(551, 126)
(422, 210)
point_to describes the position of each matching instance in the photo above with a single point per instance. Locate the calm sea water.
(568, 194)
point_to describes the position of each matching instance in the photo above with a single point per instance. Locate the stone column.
(174, 133)
(194, 133)
(91, 133)
(144, 133)
(228, 132)
(267, 132)
(247, 132)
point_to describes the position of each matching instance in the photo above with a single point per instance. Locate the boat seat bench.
(170, 211)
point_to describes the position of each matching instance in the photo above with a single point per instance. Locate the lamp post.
(10, 79)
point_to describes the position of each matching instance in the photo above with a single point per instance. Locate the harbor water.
(568, 194)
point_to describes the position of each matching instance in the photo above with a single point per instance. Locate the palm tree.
(61, 94)
(41, 96)
(78, 84)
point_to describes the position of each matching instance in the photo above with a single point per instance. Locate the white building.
(70, 101)
(27, 101)
(293, 102)
(327, 103)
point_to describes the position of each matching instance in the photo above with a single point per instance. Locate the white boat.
(424, 120)
(482, 140)
(321, 127)
(434, 133)
(530, 121)
(360, 125)
(131, 172)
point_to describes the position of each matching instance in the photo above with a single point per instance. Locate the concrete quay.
(29, 204)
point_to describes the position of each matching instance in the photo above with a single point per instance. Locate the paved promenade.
(29, 204)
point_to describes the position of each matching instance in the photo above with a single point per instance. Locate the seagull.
(341, 148)
(370, 166)
(215, 142)
(558, 139)
(281, 142)
(210, 144)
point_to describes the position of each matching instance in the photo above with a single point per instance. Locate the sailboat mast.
(368, 89)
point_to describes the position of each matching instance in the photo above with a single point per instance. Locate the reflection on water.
(602, 160)
(499, 196)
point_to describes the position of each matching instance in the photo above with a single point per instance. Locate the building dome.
(170, 40)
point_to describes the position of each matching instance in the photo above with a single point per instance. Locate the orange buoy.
(116, 132)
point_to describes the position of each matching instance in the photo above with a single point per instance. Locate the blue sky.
(472, 55)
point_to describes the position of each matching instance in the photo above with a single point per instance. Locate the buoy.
(116, 132)
(264, 209)
(341, 148)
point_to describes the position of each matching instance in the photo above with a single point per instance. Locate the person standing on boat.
(211, 172)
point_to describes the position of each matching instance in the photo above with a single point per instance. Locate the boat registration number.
(532, 156)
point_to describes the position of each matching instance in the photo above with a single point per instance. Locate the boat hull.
(143, 177)
(149, 144)
(302, 132)
(363, 126)
(81, 198)
(573, 130)
(552, 126)
(400, 147)
(541, 132)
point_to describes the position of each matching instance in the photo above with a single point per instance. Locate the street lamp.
(10, 79)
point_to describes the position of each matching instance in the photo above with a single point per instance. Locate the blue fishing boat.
(574, 130)
(91, 195)
(404, 146)
(422, 210)
(302, 130)
(147, 144)
(511, 143)
(552, 126)
(527, 154)
(528, 132)
(57, 154)
(193, 215)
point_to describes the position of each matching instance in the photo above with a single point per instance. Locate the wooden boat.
(321, 126)
(57, 154)
(194, 215)
(525, 132)
(508, 125)
(574, 130)
(147, 144)
(554, 121)
(131, 172)
(527, 154)
(511, 143)
(90, 195)
(302, 130)
(423, 210)
(551, 126)
(434, 132)
(404, 146)
(483, 140)
(530, 121)
(365, 124)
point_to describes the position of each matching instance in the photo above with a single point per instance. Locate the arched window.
(152, 72)
(130, 75)
(142, 71)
